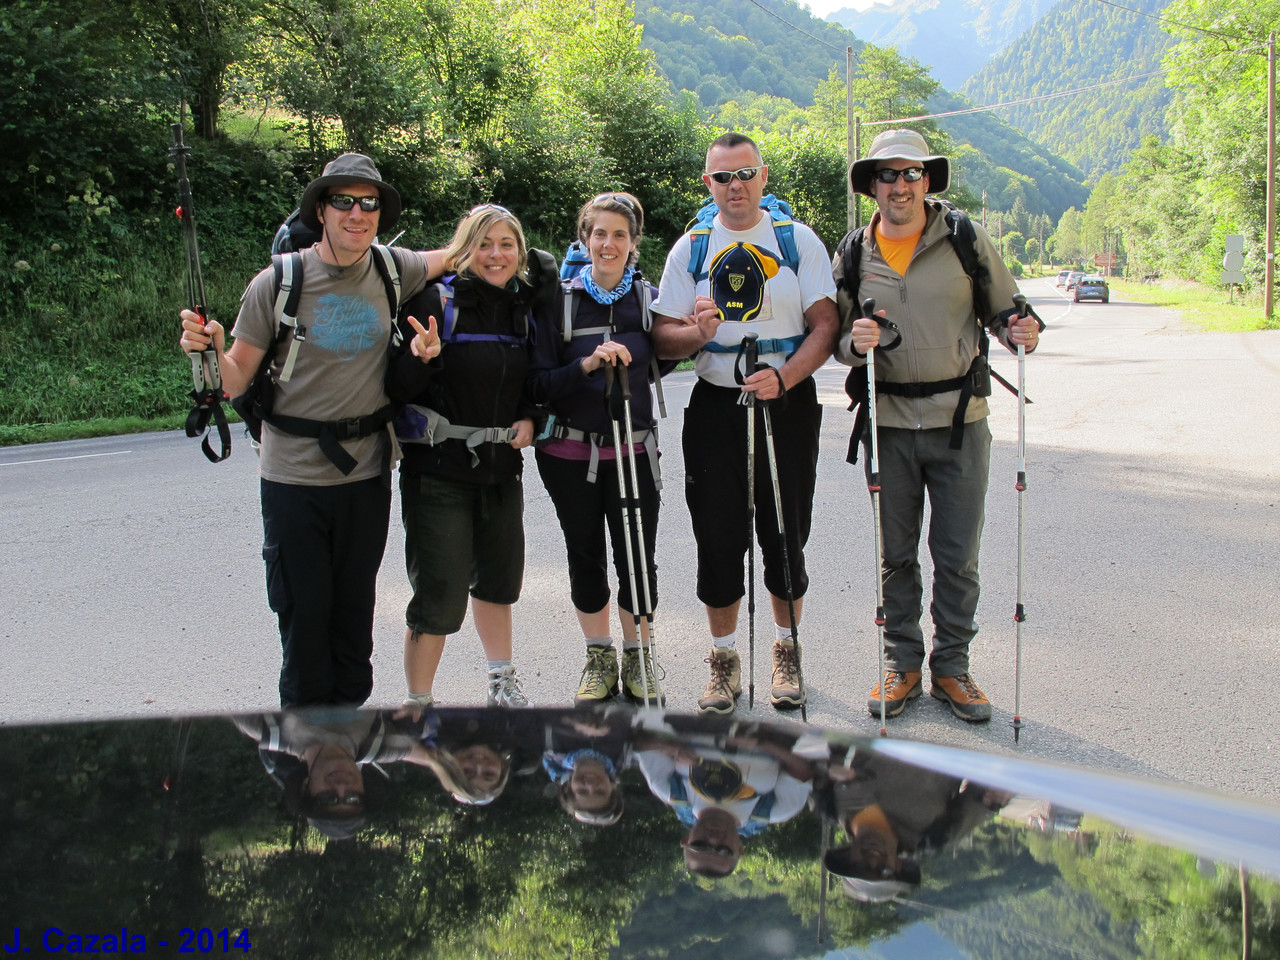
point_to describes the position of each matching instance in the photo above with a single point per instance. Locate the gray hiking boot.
(504, 689)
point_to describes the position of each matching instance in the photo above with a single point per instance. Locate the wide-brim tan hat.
(900, 145)
(350, 168)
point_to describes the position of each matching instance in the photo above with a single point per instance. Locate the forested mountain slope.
(721, 49)
(954, 38)
(1079, 43)
(1007, 165)
(726, 50)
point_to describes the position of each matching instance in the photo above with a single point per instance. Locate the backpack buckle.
(347, 429)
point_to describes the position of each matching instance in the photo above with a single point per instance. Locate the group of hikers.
(452, 361)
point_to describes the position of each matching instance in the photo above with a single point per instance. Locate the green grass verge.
(86, 429)
(1201, 307)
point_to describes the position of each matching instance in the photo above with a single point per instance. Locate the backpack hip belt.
(555, 430)
(330, 433)
(418, 424)
(783, 345)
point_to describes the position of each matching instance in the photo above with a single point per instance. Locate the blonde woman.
(466, 419)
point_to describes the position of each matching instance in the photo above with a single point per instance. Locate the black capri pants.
(715, 487)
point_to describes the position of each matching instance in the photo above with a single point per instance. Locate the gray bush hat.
(350, 168)
(900, 145)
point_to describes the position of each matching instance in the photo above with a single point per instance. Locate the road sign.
(1104, 260)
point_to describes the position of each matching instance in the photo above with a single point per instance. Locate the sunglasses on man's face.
(889, 175)
(703, 846)
(725, 176)
(342, 201)
(331, 798)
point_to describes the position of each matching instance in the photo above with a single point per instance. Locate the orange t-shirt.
(897, 253)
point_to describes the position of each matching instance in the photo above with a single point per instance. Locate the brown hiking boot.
(899, 687)
(966, 700)
(725, 685)
(786, 693)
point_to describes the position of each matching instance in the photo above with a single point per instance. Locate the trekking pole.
(205, 373)
(617, 393)
(786, 559)
(1019, 612)
(873, 486)
(642, 550)
(749, 355)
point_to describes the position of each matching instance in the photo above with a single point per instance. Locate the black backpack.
(294, 235)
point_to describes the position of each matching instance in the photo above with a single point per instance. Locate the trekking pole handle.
(1023, 309)
(748, 357)
(617, 391)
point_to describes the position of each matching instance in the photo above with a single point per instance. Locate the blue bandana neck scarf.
(607, 296)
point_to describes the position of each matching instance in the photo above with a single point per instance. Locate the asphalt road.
(131, 579)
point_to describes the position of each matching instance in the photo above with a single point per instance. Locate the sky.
(820, 8)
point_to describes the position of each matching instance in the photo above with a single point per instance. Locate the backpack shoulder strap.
(570, 312)
(964, 240)
(850, 250)
(288, 272)
(784, 230)
(388, 267)
(700, 238)
(450, 319)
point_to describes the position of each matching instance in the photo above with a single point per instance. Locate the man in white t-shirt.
(796, 324)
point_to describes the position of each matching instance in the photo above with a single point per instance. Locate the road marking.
(82, 456)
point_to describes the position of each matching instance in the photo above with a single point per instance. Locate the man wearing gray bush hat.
(326, 440)
(916, 259)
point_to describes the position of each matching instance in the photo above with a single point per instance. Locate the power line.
(1047, 96)
(795, 28)
(1176, 23)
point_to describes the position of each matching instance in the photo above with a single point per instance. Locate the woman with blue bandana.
(602, 319)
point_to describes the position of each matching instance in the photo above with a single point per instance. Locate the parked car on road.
(1092, 288)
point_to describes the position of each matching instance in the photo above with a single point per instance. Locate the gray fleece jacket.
(933, 308)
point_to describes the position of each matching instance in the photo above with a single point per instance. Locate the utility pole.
(851, 130)
(1269, 302)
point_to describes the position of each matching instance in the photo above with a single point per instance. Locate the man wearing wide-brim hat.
(326, 445)
(931, 388)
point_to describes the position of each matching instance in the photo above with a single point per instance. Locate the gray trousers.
(913, 463)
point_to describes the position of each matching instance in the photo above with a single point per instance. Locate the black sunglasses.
(889, 175)
(725, 176)
(702, 846)
(330, 798)
(341, 201)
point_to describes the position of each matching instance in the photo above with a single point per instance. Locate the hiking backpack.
(257, 402)
(576, 259)
(784, 231)
(294, 235)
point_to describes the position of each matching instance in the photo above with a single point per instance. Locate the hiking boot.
(786, 693)
(633, 679)
(504, 689)
(899, 687)
(599, 677)
(725, 685)
(966, 700)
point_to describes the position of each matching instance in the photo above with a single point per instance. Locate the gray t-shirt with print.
(341, 365)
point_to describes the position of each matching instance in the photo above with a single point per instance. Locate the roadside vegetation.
(535, 106)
